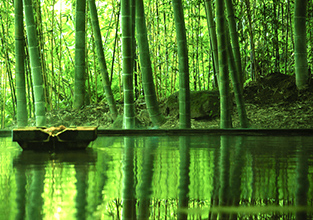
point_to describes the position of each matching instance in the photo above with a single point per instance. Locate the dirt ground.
(271, 102)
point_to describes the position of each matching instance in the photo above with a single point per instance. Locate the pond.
(161, 177)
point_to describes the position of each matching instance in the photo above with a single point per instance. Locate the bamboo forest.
(169, 64)
(156, 109)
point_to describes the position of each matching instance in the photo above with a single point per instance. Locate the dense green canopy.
(265, 32)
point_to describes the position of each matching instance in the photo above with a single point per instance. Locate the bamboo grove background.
(265, 31)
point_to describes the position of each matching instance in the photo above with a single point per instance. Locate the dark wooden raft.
(54, 138)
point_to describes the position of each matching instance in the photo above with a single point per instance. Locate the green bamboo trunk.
(19, 65)
(35, 64)
(79, 90)
(212, 31)
(184, 87)
(103, 67)
(145, 64)
(234, 39)
(225, 113)
(301, 62)
(237, 85)
(127, 75)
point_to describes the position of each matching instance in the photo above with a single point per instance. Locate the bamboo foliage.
(301, 63)
(80, 71)
(19, 66)
(270, 50)
(7, 60)
(184, 88)
(145, 64)
(103, 67)
(35, 64)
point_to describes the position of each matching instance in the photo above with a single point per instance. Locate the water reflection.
(184, 181)
(302, 180)
(192, 177)
(128, 192)
(31, 174)
(145, 185)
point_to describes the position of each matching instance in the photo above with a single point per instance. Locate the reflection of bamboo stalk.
(128, 190)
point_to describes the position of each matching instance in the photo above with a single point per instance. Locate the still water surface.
(189, 177)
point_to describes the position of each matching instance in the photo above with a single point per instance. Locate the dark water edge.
(201, 176)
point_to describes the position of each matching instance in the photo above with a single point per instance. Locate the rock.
(203, 105)
(118, 123)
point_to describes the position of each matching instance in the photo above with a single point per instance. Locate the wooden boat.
(54, 138)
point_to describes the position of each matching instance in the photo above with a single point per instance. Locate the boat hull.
(33, 138)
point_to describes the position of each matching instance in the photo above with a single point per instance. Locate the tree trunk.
(254, 75)
(128, 88)
(79, 92)
(212, 31)
(103, 67)
(234, 40)
(35, 64)
(225, 115)
(184, 88)
(19, 65)
(235, 72)
(301, 62)
(145, 64)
